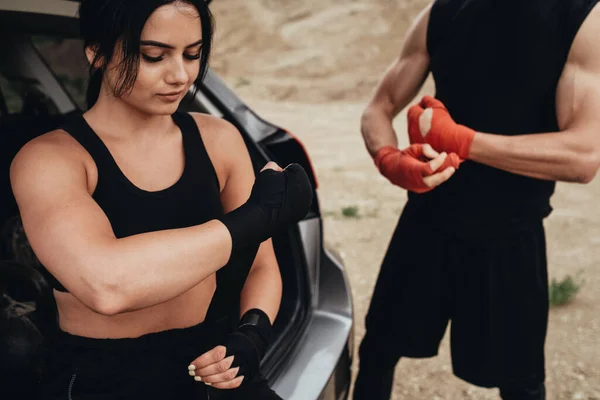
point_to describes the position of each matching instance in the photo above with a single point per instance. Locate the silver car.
(42, 80)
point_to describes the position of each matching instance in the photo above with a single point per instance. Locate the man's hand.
(430, 122)
(418, 168)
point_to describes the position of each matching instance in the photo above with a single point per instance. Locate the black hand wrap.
(277, 200)
(249, 343)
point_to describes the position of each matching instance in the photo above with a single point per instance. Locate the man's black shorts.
(492, 286)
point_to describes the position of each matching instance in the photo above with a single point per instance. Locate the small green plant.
(241, 81)
(350, 212)
(562, 292)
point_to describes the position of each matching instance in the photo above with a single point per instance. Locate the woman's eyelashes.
(150, 59)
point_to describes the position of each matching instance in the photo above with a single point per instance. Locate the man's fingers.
(431, 102)
(425, 121)
(214, 369)
(414, 112)
(453, 160)
(429, 152)
(229, 385)
(414, 132)
(439, 178)
(210, 357)
(272, 165)
(438, 161)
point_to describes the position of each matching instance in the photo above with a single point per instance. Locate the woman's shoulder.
(219, 136)
(48, 153)
(224, 144)
(214, 128)
(56, 143)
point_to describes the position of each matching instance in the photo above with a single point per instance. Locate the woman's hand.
(272, 165)
(214, 368)
(226, 366)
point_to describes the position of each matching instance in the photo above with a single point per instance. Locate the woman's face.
(169, 60)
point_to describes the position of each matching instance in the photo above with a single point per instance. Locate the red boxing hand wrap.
(444, 134)
(407, 168)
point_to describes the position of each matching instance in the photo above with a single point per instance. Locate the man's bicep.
(578, 92)
(404, 78)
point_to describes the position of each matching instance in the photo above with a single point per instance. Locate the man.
(517, 108)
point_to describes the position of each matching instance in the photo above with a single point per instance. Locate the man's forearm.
(557, 156)
(377, 130)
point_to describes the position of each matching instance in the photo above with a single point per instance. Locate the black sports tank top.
(194, 199)
(496, 66)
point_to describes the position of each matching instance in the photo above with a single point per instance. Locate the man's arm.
(573, 154)
(400, 84)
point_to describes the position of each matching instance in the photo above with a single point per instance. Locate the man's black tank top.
(496, 65)
(193, 200)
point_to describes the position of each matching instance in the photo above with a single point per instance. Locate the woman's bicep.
(230, 158)
(238, 185)
(239, 172)
(63, 224)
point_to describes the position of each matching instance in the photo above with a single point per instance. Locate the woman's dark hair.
(103, 23)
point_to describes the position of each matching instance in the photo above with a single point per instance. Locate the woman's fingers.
(439, 178)
(272, 165)
(223, 377)
(235, 383)
(211, 357)
(216, 368)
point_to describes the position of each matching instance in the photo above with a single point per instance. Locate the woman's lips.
(170, 97)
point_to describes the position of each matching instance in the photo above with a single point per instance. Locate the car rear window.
(10, 100)
(67, 61)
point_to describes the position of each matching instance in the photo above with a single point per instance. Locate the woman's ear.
(90, 53)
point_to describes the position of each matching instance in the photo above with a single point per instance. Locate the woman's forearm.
(147, 269)
(263, 290)
(263, 287)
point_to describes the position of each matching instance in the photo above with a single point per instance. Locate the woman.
(133, 207)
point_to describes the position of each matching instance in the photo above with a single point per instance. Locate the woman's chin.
(167, 110)
(160, 109)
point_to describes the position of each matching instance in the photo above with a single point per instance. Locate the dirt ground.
(310, 66)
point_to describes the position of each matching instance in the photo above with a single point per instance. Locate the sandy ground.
(310, 67)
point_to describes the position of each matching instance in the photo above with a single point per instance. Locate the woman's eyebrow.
(166, 46)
